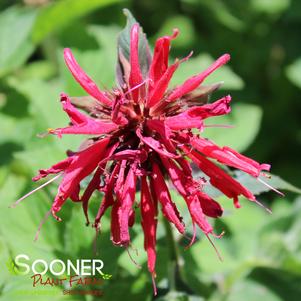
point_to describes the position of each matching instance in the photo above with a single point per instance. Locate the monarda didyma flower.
(141, 136)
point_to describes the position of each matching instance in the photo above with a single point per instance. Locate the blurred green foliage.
(262, 253)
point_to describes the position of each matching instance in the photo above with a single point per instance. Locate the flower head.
(142, 138)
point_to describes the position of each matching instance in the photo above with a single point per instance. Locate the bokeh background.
(262, 252)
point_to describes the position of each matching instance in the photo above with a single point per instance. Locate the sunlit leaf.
(270, 6)
(245, 119)
(15, 130)
(60, 13)
(249, 290)
(15, 43)
(184, 24)
(221, 12)
(293, 72)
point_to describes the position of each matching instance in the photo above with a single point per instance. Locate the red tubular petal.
(107, 200)
(161, 86)
(185, 166)
(118, 189)
(136, 155)
(92, 128)
(83, 79)
(247, 160)
(160, 59)
(115, 226)
(220, 179)
(123, 210)
(228, 156)
(95, 182)
(132, 218)
(183, 121)
(197, 214)
(74, 196)
(169, 209)
(82, 124)
(82, 165)
(76, 117)
(193, 117)
(160, 127)
(185, 186)
(54, 169)
(149, 224)
(164, 131)
(193, 82)
(155, 145)
(135, 73)
(176, 174)
(153, 194)
(92, 186)
(219, 107)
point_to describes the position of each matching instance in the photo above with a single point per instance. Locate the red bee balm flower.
(142, 137)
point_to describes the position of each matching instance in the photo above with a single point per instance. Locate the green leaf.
(256, 187)
(77, 235)
(46, 109)
(245, 119)
(249, 290)
(221, 13)
(184, 24)
(44, 100)
(87, 61)
(270, 6)
(293, 72)
(281, 283)
(15, 44)
(15, 130)
(139, 254)
(179, 296)
(60, 13)
(42, 69)
(106, 37)
(103, 71)
(198, 64)
(25, 219)
(123, 46)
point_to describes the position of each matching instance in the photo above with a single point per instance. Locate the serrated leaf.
(123, 46)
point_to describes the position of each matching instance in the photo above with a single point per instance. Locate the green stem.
(173, 265)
